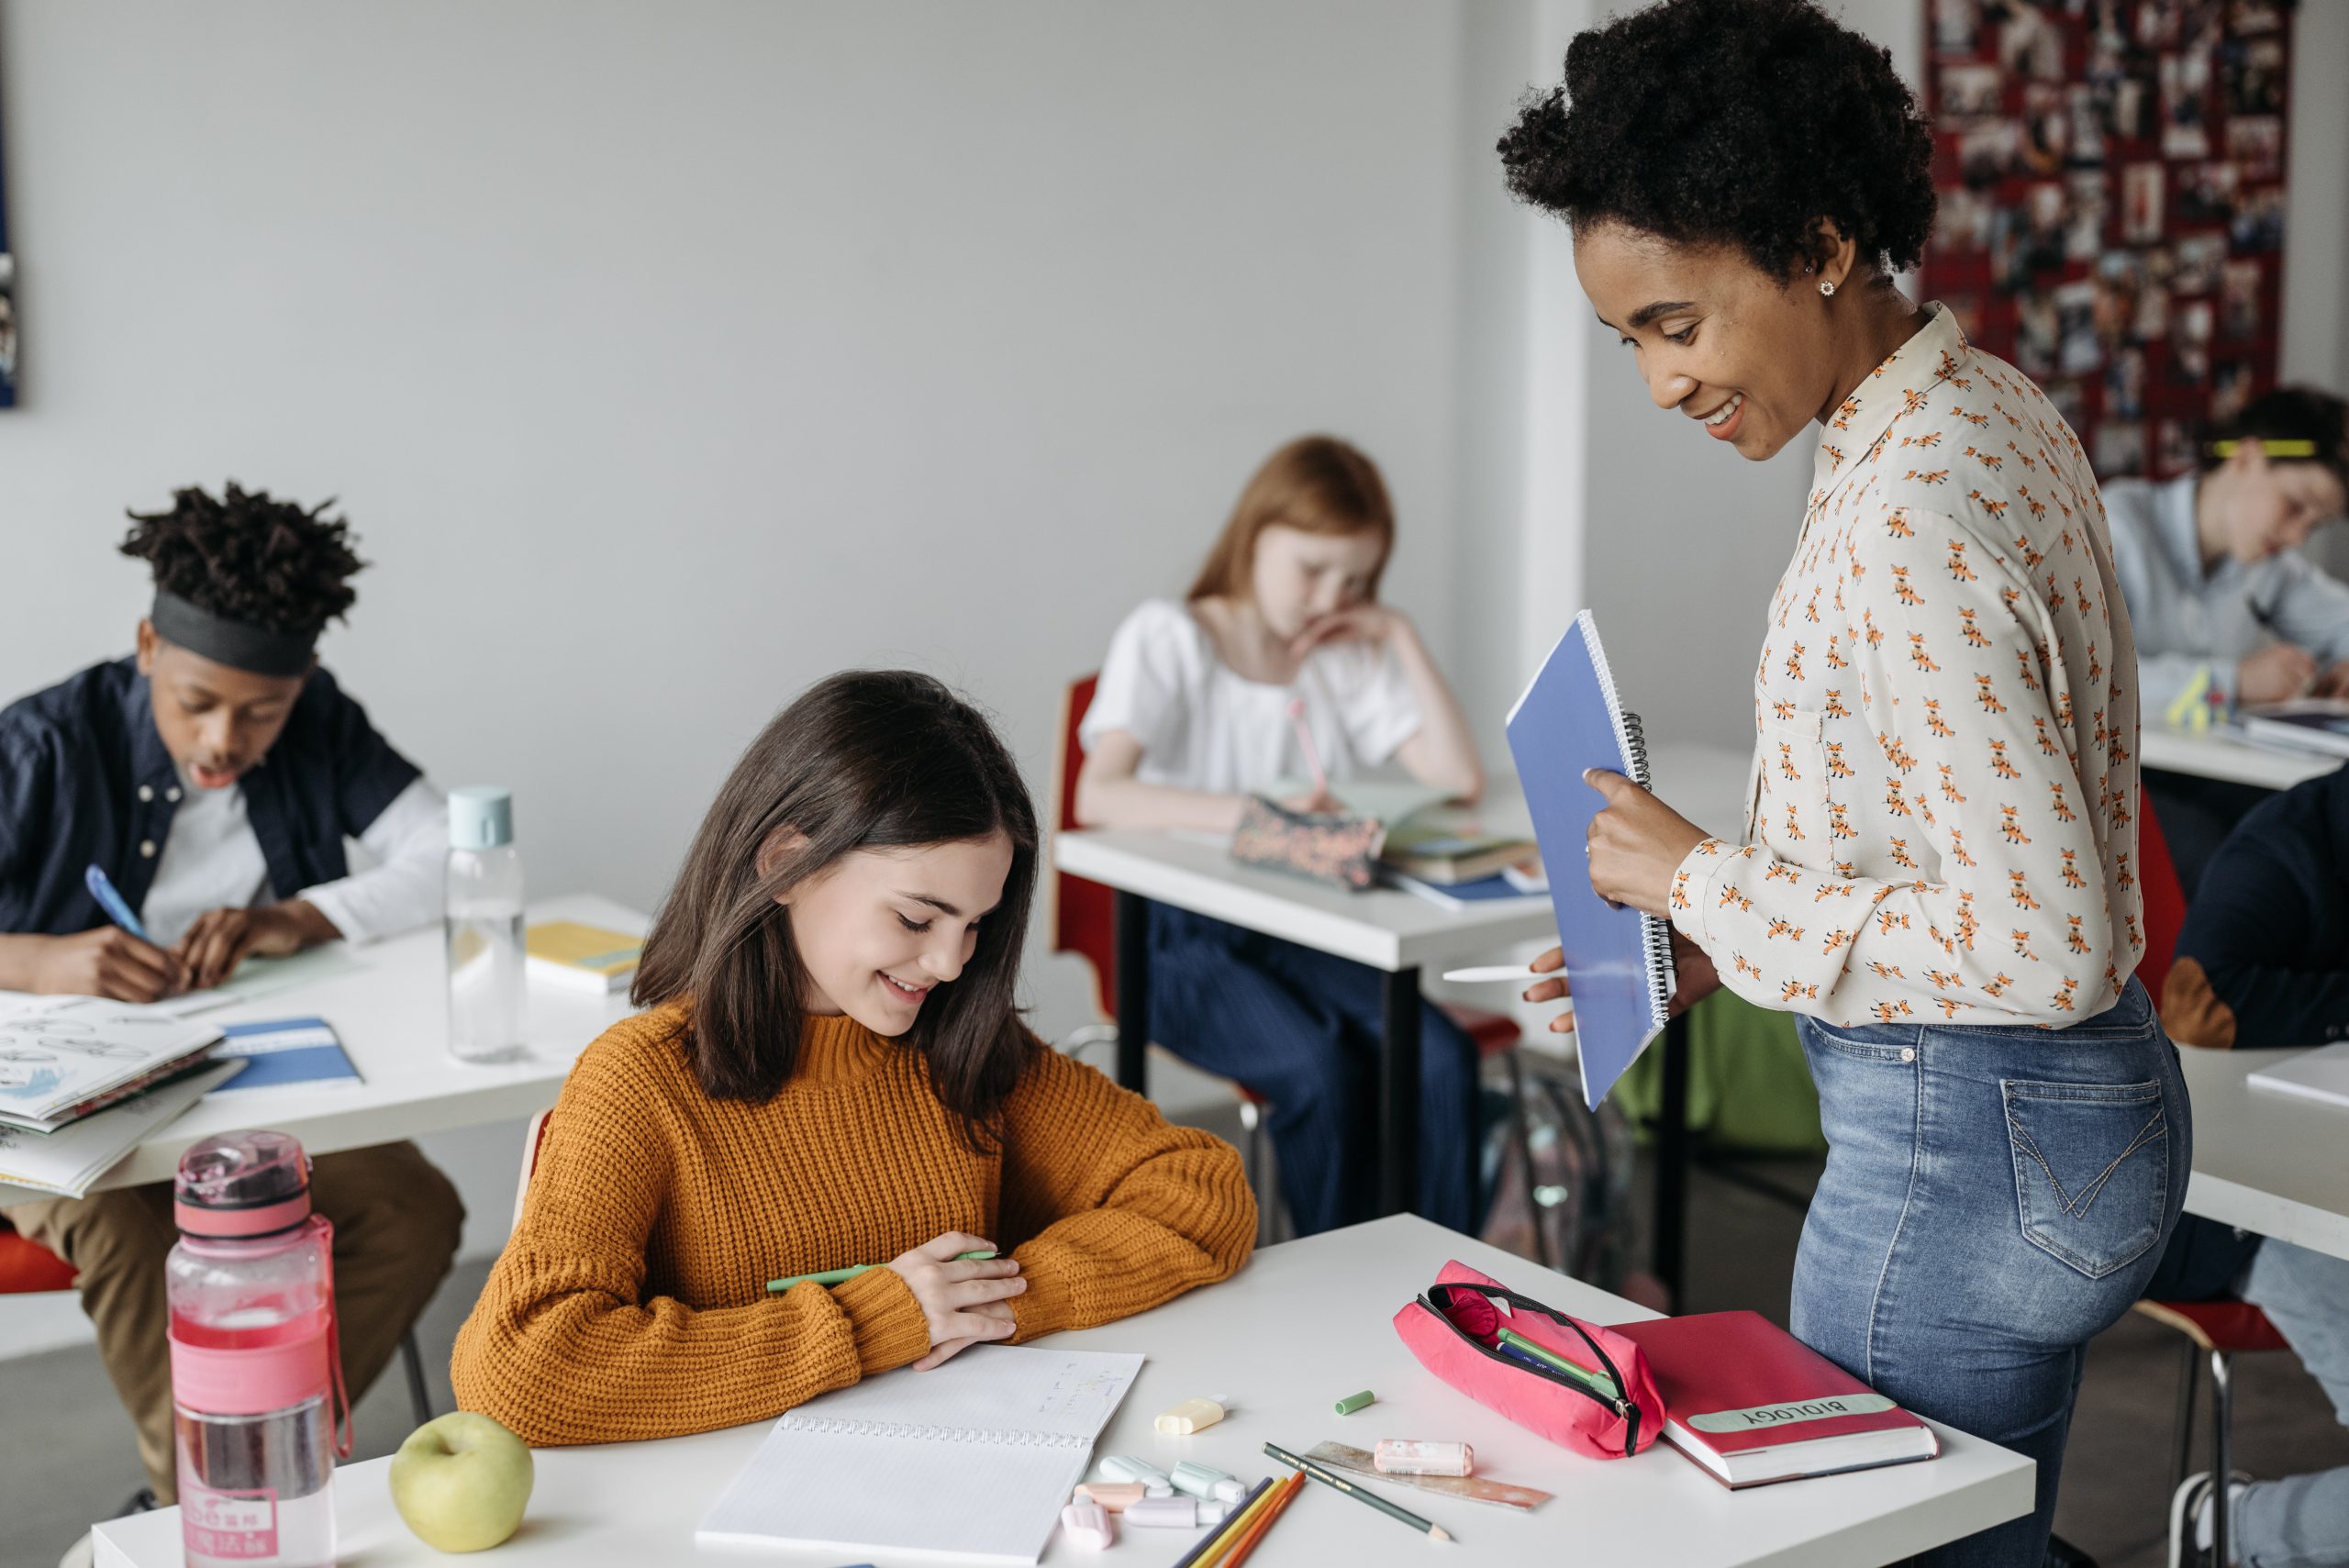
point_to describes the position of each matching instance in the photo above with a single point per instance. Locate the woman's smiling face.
(1749, 360)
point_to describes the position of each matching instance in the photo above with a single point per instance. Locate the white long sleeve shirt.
(211, 860)
(1942, 811)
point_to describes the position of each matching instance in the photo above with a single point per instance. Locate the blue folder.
(1619, 962)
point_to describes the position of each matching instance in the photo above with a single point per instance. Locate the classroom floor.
(75, 1462)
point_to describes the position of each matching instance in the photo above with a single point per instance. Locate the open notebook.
(1619, 962)
(988, 1445)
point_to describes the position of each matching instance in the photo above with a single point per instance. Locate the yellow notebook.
(586, 958)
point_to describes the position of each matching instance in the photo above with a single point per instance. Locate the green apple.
(461, 1481)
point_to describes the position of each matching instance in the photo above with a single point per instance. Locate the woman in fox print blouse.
(1936, 873)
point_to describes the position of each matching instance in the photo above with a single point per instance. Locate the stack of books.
(83, 1081)
(1459, 867)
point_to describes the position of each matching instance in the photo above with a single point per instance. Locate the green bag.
(1749, 1085)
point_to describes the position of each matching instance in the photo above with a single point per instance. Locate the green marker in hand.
(830, 1277)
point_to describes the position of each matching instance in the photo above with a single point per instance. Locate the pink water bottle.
(257, 1390)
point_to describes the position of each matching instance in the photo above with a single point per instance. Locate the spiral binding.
(834, 1426)
(1655, 936)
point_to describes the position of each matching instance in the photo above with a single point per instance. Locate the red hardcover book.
(1753, 1404)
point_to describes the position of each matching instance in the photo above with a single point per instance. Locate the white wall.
(669, 357)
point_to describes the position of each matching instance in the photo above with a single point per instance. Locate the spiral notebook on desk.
(968, 1461)
(1619, 962)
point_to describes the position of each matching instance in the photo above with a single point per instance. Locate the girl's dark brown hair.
(1317, 484)
(866, 759)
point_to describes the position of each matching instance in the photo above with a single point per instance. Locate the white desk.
(1304, 1324)
(2229, 757)
(1389, 930)
(392, 1016)
(2271, 1164)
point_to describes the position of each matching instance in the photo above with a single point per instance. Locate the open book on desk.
(987, 1448)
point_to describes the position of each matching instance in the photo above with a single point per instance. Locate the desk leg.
(1132, 917)
(1398, 1094)
(1672, 1161)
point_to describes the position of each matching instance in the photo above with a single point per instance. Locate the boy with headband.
(214, 776)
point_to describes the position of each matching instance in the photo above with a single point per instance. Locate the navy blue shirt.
(84, 779)
(2270, 920)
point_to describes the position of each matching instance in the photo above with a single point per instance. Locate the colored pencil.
(1331, 1478)
(1210, 1546)
(1257, 1531)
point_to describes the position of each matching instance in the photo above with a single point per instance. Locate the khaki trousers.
(395, 1223)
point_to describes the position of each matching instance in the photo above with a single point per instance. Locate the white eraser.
(1164, 1513)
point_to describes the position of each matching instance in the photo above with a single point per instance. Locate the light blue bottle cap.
(480, 817)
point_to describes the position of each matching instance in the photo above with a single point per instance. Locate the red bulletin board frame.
(2111, 177)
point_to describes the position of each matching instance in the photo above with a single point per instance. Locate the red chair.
(2221, 1328)
(1082, 923)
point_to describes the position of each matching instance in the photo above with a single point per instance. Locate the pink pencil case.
(1453, 1328)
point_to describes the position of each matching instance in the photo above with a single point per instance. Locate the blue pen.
(102, 888)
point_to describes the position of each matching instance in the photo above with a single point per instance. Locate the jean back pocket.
(2091, 1169)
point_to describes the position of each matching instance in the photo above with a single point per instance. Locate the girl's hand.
(1358, 623)
(962, 1302)
(1692, 971)
(1314, 801)
(1636, 844)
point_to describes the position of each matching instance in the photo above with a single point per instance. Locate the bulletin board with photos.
(2111, 175)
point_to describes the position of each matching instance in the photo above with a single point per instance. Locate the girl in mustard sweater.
(832, 1071)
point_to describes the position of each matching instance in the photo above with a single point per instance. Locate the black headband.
(238, 644)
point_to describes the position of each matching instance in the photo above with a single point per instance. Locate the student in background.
(832, 1072)
(2263, 960)
(2225, 607)
(152, 769)
(1191, 716)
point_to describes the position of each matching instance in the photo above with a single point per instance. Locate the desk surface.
(2266, 1161)
(1302, 1325)
(2230, 757)
(1382, 928)
(392, 1016)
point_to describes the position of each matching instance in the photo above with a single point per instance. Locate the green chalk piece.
(1354, 1402)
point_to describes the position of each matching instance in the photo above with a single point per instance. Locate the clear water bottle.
(483, 900)
(256, 1389)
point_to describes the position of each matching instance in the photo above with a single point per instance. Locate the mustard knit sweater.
(631, 1300)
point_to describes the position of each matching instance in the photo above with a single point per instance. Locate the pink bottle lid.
(241, 1184)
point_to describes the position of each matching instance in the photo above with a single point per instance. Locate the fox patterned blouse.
(1941, 823)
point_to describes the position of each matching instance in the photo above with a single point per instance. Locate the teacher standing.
(1938, 869)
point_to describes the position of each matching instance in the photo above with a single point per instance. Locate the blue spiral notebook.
(1619, 962)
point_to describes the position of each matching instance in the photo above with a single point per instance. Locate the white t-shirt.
(211, 860)
(1203, 725)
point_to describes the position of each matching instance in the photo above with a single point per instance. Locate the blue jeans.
(1993, 1198)
(1302, 1028)
(2301, 1521)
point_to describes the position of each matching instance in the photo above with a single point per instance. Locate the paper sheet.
(258, 978)
(992, 1442)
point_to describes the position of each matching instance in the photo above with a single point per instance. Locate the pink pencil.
(1305, 738)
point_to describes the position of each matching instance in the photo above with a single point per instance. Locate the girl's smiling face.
(878, 929)
(1747, 358)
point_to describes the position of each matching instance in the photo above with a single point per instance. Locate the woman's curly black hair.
(1731, 122)
(249, 558)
